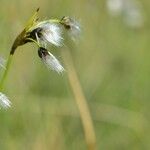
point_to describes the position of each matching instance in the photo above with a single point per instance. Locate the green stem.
(6, 72)
(54, 20)
(8, 65)
(34, 41)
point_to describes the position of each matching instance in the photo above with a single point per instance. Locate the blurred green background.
(112, 61)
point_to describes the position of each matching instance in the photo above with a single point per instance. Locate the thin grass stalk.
(80, 99)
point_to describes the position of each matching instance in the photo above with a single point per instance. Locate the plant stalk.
(80, 100)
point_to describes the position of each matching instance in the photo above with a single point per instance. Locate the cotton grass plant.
(54, 32)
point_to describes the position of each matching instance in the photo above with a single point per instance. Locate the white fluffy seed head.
(50, 60)
(133, 15)
(2, 62)
(75, 31)
(129, 10)
(51, 33)
(4, 101)
(72, 26)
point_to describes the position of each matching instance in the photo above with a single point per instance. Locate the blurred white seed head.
(4, 101)
(50, 60)
(72, 26)
(50, 32)
(115, 7)
(2, 62)
(130, 10)
(133, 14)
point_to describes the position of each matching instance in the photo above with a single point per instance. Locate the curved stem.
(6, 72)
(81, 101)
(8, 65)
(54, 20)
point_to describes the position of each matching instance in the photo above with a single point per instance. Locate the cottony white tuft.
(51, 32)
(50, 60)
(52, 63)
(72, 26)
(4, 101)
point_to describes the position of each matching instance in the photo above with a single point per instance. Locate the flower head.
(4, 101)
(47, 31)
(50, 60)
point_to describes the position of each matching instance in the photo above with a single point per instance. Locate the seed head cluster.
(43, 33)
(47, 32)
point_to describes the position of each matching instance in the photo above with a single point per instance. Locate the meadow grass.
(112, 64)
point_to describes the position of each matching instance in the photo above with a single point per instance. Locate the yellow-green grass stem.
(81, 101)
